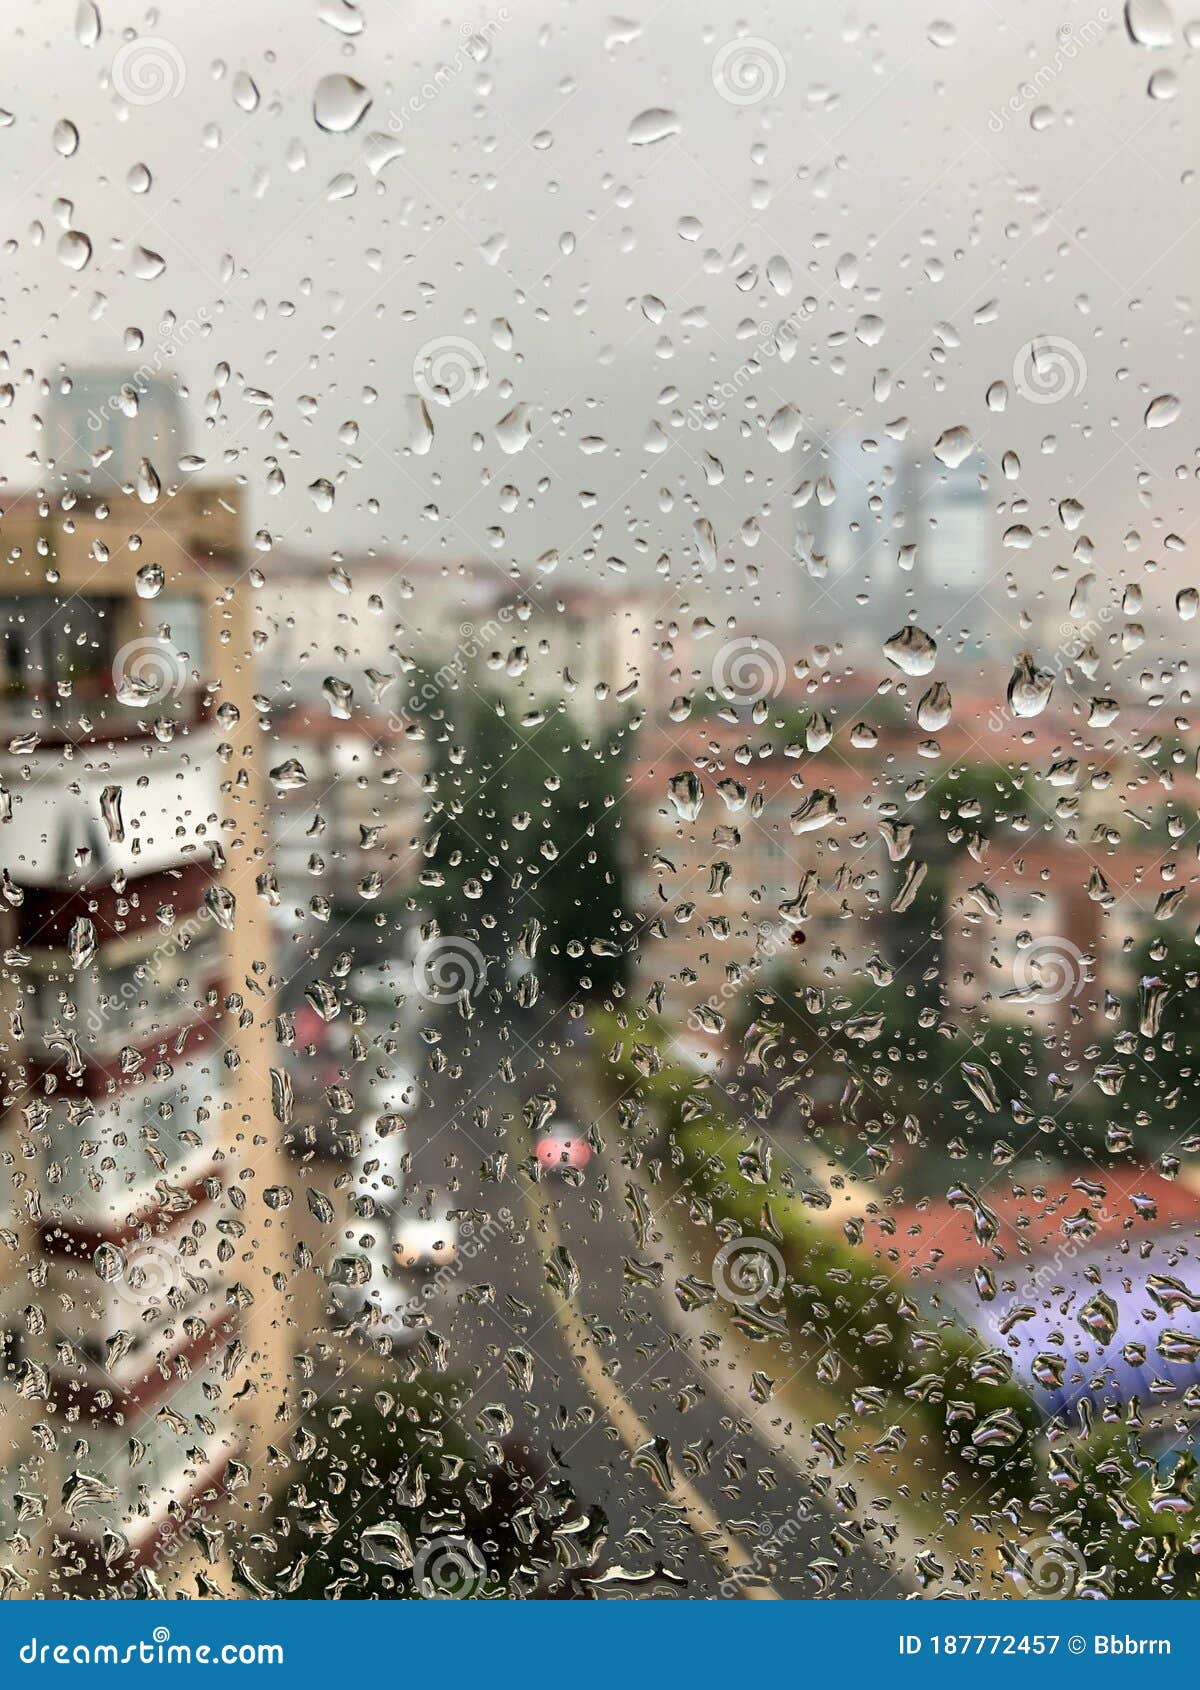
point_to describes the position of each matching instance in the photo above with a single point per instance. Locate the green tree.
(523, 843)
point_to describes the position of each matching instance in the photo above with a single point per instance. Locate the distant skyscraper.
(956, 551)
(883, 535)
(102, 423)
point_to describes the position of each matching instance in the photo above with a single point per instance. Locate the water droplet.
(149, 580)
(289, 776)
(1149, 23)
(784, 427)
(147, 265)
(953, 446)
(74, 249)
(1163, 85)
(1029, 688)
(686, 794)
(387, 1544)
(339, 103)
(87, 24)
(148, 486)
(245, 92)
(513, 430)
(912, 650)
(653, 125)
(1162, 412)
(934, 709)
(339, 695)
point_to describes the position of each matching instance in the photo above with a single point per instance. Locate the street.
(620, 1393)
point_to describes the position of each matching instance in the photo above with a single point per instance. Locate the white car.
(397, 1095)
(382, 1286)
(424, 1246)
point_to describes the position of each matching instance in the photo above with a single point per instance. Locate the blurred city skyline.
(599, 802)
(933, 221)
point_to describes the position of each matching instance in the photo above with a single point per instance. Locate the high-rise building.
(885, 535)
(103, 424)
(146, 1253)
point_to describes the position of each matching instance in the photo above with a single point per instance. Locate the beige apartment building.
(148, 1266)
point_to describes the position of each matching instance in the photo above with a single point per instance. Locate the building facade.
(148, 1266)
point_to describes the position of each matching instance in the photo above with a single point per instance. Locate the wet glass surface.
(598, 802)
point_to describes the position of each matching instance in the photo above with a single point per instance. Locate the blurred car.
(384, 1284)
(391, 1098)
(423, 1246)
(562, 1148)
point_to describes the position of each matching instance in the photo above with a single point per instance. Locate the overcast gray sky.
(942, 183)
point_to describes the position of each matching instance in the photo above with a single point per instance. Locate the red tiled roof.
(940, 1236)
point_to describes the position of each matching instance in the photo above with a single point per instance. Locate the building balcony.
(79, 817)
